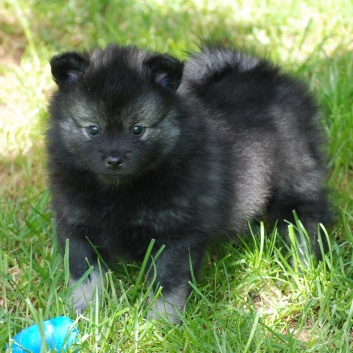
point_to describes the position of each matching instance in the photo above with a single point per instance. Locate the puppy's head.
(116, 110)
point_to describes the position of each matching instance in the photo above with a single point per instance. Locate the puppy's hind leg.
(311, 209)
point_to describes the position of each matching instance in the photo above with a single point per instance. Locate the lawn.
(248, 298)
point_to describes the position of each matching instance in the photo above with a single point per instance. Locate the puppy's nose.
(113, 162)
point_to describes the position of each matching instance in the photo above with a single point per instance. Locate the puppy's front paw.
(169, 306)
(84, 293)
(162, 310)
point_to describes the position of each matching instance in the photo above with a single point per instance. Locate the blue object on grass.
(59, 334)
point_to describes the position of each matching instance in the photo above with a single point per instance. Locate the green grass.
(248, 298)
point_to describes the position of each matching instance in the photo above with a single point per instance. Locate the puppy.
(141, 147)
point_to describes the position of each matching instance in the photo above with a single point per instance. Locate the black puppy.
(142, 147)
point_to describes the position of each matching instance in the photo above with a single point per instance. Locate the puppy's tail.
(215, 60)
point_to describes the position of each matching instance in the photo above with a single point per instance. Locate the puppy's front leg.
(172, 272)
(82, 256)
(84, 292)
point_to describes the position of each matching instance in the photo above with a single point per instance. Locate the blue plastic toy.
(59, 334)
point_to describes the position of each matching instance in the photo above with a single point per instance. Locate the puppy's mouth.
(114, 178)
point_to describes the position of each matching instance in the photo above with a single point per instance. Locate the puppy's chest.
(122, 217)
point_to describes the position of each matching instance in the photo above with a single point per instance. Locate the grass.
(248, 298)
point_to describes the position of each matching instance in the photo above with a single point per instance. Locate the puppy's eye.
(93, 130)
(137, 130)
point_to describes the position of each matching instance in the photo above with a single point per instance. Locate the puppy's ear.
(66, 68)
(166, 71)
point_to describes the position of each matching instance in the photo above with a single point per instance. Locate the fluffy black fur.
(143, 147)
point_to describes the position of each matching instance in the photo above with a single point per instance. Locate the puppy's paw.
(164, 311)
(85, 292)
(169, 306)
